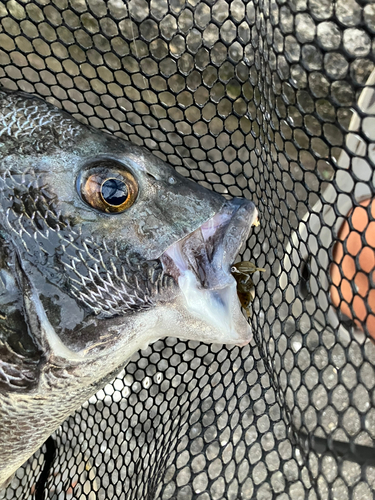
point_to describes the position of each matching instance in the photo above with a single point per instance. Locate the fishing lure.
(245, 286)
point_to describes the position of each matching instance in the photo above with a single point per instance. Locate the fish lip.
(236, 231)
(200, 263)
(216, 244)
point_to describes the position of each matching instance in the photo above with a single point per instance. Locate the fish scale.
(24, 117)
(80, 257)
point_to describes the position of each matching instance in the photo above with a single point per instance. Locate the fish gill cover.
(272, 101)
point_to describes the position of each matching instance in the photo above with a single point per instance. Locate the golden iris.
(109, 188)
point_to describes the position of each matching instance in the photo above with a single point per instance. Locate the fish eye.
(108, 187)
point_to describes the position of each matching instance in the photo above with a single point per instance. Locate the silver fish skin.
(82, 289)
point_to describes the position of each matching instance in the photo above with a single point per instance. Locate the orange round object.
(353, 267)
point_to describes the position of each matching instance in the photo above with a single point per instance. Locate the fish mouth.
(200, 263)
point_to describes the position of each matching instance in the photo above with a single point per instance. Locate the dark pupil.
(114, 192)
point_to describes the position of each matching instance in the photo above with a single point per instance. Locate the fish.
(104, 249)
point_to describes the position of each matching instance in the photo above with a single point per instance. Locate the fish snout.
(200, 263)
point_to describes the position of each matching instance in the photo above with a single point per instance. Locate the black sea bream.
(104, 248)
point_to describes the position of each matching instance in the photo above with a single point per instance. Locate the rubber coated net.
(269, 100)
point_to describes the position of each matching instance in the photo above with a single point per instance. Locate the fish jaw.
(200, 264)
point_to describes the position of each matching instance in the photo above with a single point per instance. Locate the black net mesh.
(269, 100)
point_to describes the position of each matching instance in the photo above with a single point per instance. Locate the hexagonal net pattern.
(274, 101)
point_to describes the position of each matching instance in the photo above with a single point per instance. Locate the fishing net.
(269, 100)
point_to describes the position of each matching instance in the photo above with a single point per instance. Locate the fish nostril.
(152, 177)
(171, 179)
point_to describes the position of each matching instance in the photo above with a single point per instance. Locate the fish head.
(110, 247)
(104, 248)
